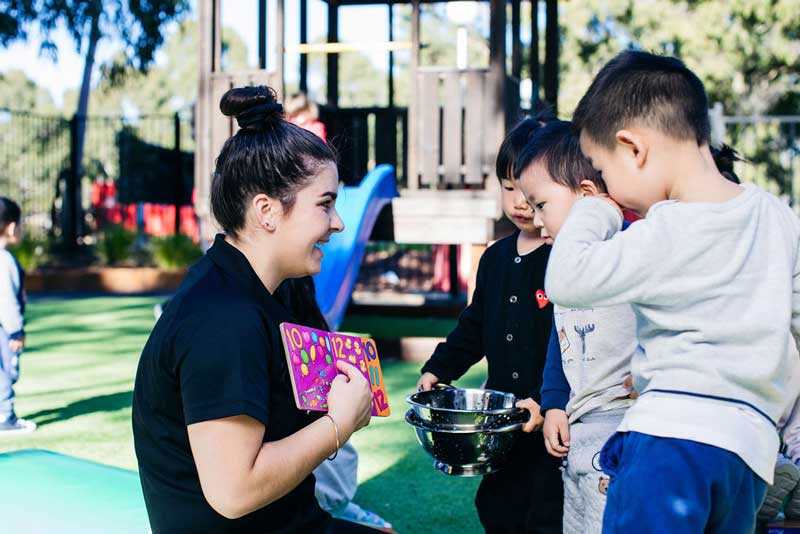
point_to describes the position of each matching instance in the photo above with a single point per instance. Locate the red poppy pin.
(541, 298)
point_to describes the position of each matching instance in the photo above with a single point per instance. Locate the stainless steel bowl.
(468, 409)
(465, 452)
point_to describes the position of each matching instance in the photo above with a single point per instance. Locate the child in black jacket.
(509, 322)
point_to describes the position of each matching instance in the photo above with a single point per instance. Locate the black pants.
(526, 495)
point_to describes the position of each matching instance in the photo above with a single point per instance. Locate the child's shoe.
(14, 425)
(787, 476)
(792, 507)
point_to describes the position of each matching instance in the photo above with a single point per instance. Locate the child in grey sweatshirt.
(584, 395)
(12, 308)
(713, 275)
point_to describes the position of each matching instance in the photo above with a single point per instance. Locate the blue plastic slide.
(359, 208)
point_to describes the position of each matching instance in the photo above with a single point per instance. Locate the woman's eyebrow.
(332, 194)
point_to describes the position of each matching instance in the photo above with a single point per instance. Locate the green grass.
(76, 382)
(391, 327)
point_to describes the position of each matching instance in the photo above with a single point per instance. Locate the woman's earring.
(269, 226)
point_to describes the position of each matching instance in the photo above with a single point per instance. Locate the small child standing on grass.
(713, 275)
(12, 308)
(586, 387)
(584, 395)
(509, 322)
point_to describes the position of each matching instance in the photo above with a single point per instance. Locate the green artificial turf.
(76, 381)
(379, 327)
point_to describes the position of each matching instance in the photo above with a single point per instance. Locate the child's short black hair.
(559, 149)
(724, 158)
(646, 89)
(10, 212)
(514, 142)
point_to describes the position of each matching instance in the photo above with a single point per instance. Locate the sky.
(368, 23)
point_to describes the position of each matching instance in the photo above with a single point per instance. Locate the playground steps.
(445, 217)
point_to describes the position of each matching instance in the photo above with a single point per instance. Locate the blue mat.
(45, 492)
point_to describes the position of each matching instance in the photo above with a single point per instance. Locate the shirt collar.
(232, 261)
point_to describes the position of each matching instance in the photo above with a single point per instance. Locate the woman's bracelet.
(336, 429)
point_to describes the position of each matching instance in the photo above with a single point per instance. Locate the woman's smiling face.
(309, 223)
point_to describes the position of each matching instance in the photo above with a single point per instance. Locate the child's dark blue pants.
(674, 485)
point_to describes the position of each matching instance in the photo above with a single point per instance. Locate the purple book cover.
(311, 355)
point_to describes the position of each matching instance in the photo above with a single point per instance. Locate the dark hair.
(514, 142)
(559, 149)
(724, 157)
(267, 155)
(9, 213)
(647, 89)
(298, 295)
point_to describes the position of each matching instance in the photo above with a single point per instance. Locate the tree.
(139, 24)
(747, 52)
(167, 86)
(18, 92)
(33, 148)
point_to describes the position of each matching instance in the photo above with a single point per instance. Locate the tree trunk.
(80, 116)
(551, 55)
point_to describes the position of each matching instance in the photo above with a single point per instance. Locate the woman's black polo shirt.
(508, 321)
(215, 352)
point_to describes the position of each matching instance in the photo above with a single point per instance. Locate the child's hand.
(16, 345)
(556, 433)
(427, 381)
(536, 419)
(628, 383)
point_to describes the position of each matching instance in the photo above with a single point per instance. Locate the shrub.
(30, 253)
(174, 252)
(115, 244)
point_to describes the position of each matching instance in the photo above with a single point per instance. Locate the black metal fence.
(34, 157)
(146, 159)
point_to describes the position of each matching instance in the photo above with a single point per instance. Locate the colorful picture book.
(312, 354)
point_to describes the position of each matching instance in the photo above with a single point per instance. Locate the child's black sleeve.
(464, 346)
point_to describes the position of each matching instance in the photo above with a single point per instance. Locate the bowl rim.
(426, 426)
(498, 411)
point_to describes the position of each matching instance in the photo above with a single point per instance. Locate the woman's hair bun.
(255, 107)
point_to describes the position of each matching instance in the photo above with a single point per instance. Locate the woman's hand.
(536, 419)
(350, 400)
(427, 381)
(556, 432)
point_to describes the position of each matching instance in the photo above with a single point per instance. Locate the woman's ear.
(589, 189)
(633, 144)
(267, 211)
